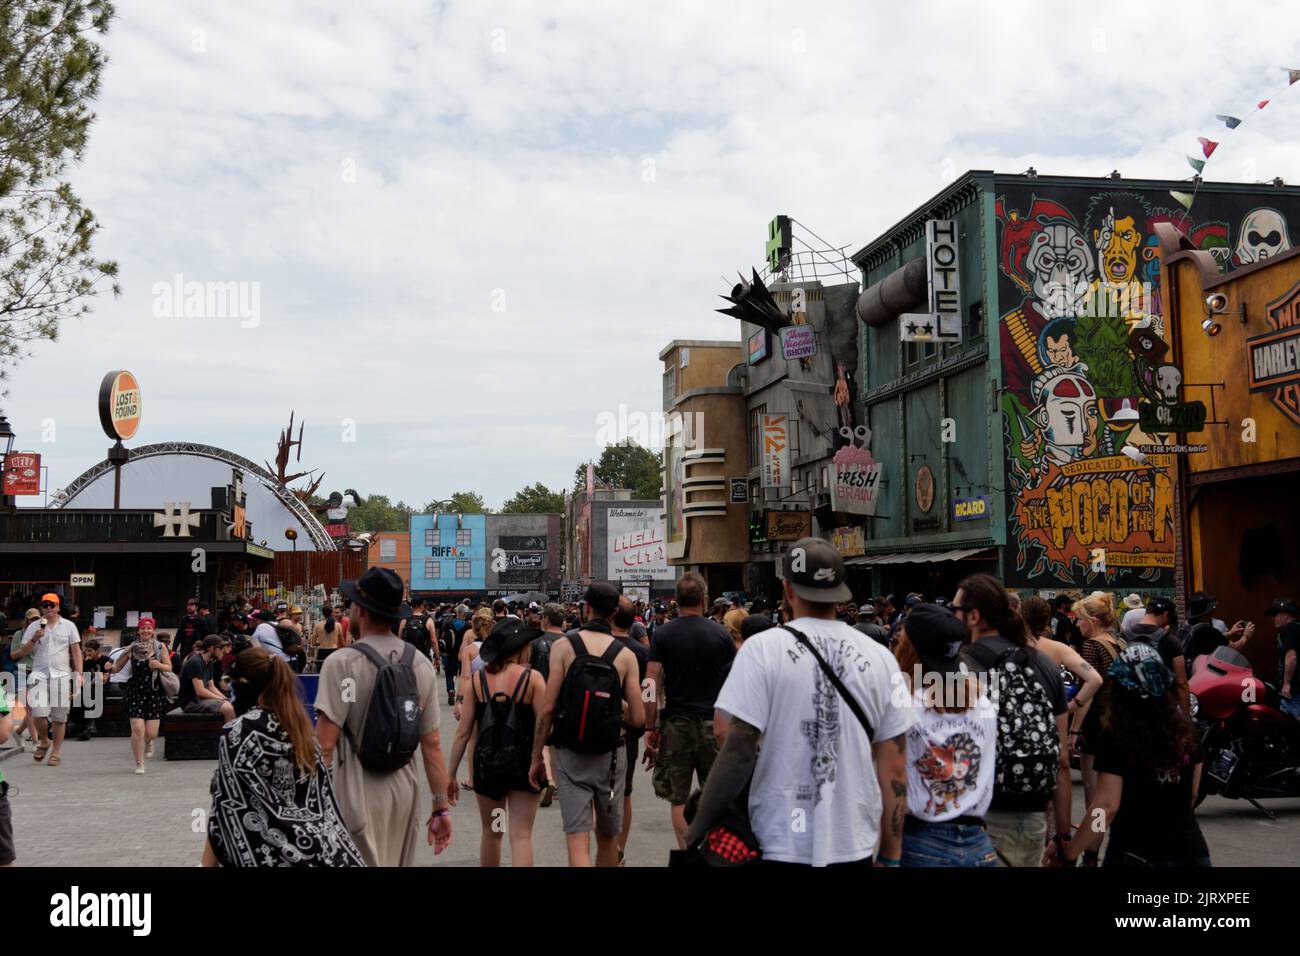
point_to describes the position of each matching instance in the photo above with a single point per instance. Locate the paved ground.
(92, 811)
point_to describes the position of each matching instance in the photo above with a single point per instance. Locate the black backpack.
(390, 733)
(416, 633)
(504, 747)
(1029, 746)
(589, 713)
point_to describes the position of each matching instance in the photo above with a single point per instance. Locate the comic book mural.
(1083, 345)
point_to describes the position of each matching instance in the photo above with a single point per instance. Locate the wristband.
(440, 813)
(885, 861)
(439, 798)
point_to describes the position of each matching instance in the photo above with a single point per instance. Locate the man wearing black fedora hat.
(382, 810)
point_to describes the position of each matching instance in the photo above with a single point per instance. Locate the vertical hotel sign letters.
(943, 322)
(776, 451)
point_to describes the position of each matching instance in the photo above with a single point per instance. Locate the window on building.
(430, 568)
(796, 481)
(808, 479)
(826, 476)
(975, 320)
(462, 536)
(387, 549)
(462, 569)
(929, 350)
(432, 537)
(756, 434)
(911, 354)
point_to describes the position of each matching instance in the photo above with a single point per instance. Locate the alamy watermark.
(652, 430)
(179, 299)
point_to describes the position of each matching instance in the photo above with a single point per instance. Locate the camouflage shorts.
(686, 748)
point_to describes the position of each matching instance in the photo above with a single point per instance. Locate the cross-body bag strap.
(834, 678)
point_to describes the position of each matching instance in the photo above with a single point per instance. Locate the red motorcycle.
(1250, 746)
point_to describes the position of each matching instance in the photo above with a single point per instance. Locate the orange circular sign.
(119, 404)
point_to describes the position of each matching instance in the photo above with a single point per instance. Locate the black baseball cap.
(1282, 606)
(753, 624)
(815, 571)
(938, 637)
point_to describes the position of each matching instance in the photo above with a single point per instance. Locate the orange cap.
(51, 597)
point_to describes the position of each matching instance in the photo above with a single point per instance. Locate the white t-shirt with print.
(950, 761)
(815, 798)
(52, 657)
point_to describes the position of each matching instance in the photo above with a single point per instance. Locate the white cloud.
(522, 170)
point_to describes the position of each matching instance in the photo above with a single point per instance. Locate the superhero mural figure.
(1068, 368)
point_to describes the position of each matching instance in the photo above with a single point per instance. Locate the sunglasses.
(48, 604)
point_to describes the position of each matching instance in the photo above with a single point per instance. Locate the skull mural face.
(1066, 413)
(1263, 236)
(1168, 380)
(1061, 264)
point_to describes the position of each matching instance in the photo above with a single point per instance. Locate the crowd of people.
(813, 731)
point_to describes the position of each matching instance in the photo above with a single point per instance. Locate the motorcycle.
(1250, 746)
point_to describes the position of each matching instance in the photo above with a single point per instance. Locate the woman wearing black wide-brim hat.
(505, 692)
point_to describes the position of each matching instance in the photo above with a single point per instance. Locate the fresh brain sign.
(636, 544)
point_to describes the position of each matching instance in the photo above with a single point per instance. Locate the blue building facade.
(448, 552)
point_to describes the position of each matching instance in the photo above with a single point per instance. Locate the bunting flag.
(1208, 146)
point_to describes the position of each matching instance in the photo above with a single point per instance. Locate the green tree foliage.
(462, 502)
(50, 68)
(626, 465)
(379, 514)
(535, 499)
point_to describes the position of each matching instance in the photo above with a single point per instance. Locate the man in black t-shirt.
(1016, 823)
(1284, 612)
(192, 629)
(198, 695)
(687, 657)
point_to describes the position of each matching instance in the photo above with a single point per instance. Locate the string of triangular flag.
(1208, 146)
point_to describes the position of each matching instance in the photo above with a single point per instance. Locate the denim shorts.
(946, 844)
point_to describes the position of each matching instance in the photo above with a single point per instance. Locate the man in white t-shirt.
(55, 649)
(823, 793)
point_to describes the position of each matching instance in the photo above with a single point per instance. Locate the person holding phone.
(54, 646)
(145, 700)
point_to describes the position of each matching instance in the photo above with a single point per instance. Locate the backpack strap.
(615, 646)
(986, 658)
(575, 639)
(372, 655)
(522, 683)
(834, 678)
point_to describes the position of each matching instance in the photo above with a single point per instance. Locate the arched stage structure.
(186, 471)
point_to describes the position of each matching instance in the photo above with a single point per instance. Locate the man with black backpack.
(417, 630)
(592, 696)
(1033, 723)
(377, 704)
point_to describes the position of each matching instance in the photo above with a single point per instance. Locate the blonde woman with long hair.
(731, 621)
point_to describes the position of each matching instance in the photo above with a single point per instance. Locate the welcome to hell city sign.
(1111, 503)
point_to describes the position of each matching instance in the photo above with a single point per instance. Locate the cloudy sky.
(472, 226)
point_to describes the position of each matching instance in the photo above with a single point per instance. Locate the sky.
(469, 228)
